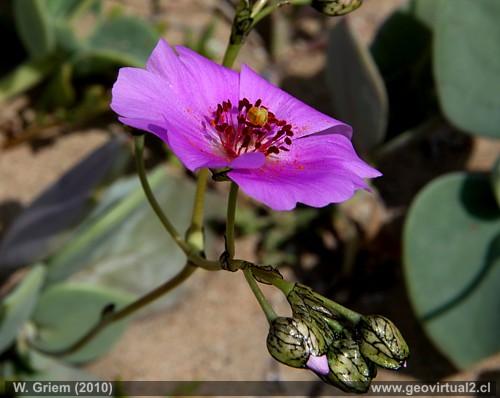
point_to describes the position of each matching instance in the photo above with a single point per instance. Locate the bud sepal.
(292, 341)
(382, 342)
(349, 370)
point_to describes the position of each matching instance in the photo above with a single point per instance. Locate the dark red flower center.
(251, 128)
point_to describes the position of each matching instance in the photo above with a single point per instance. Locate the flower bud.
(348, 369)
(382, 342)
(334, 8)
(292, 341)
(308, 306)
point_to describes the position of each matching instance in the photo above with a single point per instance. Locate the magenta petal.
(138, 94)
(318, 171)
(146, 125)
(304, 119)
(164, 62)
(250, 160)
(318, 364)
(175, 99)
(196, 81)
(209, 83)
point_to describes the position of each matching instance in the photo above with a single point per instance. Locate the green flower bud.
(307, 305)
(382, 342)
(348, 369)
(336, 7)
(291, 341)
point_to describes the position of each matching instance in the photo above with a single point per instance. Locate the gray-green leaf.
(17, 307)
(452, 265)
(65, 312)
(467, 65)
(34, 27)
(357, 90)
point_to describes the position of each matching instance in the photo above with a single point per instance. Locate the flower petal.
(250, 160)
(194, 79)
(304, 119)
(320, 170)
(175, 98)
(318, 364)
(209, 83)
(138, 94)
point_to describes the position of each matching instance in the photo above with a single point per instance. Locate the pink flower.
(280, 150)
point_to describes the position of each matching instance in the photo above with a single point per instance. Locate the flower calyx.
(348, 369)
(220, 175)
(382, 342)
(294, 342)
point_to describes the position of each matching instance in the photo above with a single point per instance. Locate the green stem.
(108, 319)
(192, 254)
(230, 55)
(139, 160)
(346, 313)
(257, 7)
(194, 235)
(197, 218)
(270, 277)
(286, 287)
(231, 215)
(259, 12)
(264, 304)
(269, 9)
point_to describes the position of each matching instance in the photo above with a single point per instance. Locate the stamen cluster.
(251, 128)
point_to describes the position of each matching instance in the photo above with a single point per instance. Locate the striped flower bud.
(348, 369)
(336, 7)
(292, 341)
(382, 343)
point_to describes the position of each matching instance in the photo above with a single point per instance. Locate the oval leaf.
(65, 312)
(357, 90)
(123, 244)
(467, 65)
(452, 265)
(109, 222)
(401, 51)
(127, 37)
(34, 26)
(68, 9)
(40, 367)
(26, 76)
(17, 307)
(119, 41)
(46, 223)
